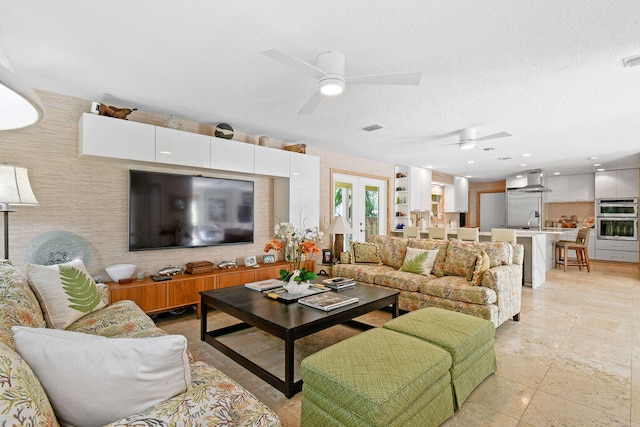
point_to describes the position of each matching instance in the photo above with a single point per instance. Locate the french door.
(362, 201)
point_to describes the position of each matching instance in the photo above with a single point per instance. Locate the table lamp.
(339, 227)
(15, 189)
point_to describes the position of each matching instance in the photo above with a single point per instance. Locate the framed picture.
(327, 256)
(250, 261)
(269, 259)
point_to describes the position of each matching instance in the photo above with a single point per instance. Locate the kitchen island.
(539, 250)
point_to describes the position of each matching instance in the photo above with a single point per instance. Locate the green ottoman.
(468, 339)
(377, 378)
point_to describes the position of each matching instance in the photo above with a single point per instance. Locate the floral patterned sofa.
(212, 399)
(483, 279)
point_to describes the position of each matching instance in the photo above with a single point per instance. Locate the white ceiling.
(547, 71)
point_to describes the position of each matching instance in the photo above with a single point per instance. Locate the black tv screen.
(181, 211)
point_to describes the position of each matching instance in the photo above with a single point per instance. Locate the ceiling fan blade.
(312, 103)
(294, 62)
(494, 136)
(410, 79)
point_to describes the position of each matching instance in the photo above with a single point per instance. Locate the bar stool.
(411, 232)
(503, 235)
(580, 246)
(468, 234)
(439, 233)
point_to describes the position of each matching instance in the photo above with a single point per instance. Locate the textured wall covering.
(89, 195)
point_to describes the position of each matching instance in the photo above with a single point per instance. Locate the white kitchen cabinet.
(616, 184)
(456, 196)
(570, 188)
(420, 183)
(560, 187)
(627, 183)
(271, 161)
(177, 147)
(582, 187)
(230, 155)
(109, 137)
(296, 198)
(617, 250)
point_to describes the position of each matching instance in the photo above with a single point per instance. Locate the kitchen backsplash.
(554, 211)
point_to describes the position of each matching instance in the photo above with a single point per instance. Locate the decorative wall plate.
(57, 247)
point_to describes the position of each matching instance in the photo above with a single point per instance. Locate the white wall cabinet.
(304, 187)
(615, 184)
(229, 155)
(269, 161)
(456, 196)
(560, 189)
(420, 197)
(570, 188)
(297, 182)
(297, 197)
(175, 147)
(117, 138)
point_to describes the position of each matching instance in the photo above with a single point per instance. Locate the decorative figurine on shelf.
(111, 111)
(171, 270)
(228, 264)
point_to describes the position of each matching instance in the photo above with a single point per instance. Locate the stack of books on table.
(264, 285)
(339, 283)
(328, 301)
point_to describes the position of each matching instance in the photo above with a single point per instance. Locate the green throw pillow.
(419, 261)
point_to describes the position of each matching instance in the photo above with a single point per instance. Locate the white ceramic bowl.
(120, 271)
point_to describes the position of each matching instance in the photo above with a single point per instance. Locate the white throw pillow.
(92, 380)
(66, 292)
(419, 261)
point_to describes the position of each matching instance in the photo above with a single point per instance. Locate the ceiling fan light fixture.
(331, 86)
(467, 145)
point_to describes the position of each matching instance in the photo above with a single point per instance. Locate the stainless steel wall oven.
(617, 219)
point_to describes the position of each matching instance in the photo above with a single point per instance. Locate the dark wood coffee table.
(286, 321)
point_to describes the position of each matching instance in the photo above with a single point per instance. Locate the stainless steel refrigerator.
(523, 209)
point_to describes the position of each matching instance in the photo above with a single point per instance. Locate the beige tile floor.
(572, 360)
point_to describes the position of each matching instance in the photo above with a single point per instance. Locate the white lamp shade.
(19, 104)
(339, 226)
(15, 188)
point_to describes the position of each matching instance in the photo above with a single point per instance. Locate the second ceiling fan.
(329, 70)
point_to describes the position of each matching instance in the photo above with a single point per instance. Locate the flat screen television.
(182, 211)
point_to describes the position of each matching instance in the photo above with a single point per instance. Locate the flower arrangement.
(296, 245)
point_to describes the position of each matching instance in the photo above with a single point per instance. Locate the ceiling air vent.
(371, 128)
(489, 149)
(505, 158)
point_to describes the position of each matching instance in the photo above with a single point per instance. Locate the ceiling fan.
(468, 138)
(329, 71)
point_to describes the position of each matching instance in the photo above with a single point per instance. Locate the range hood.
(534, 183)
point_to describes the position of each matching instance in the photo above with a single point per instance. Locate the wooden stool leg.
(586, 258)
(566, 255)
(579, 258)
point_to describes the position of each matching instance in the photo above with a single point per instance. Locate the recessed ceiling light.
(556, 173)
(518, 176)
(470, 162)
(595, 165)
(526, 155)
(600, 170)
(523, 164)
(429, 166)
